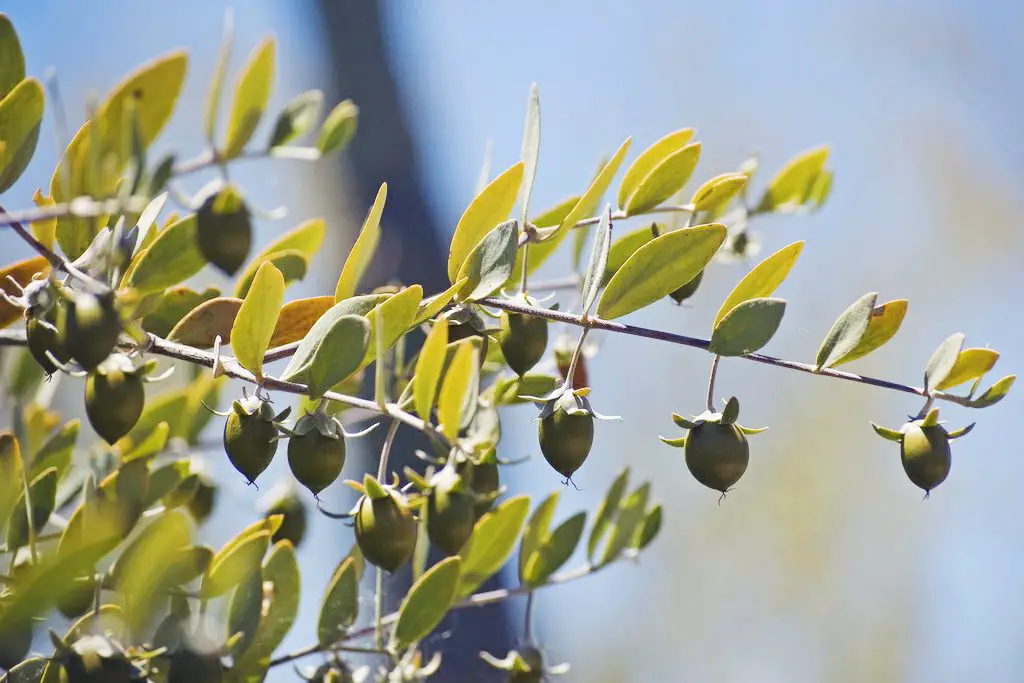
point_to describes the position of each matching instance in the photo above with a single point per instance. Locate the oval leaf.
(398, 312)
(340, 605)
(339, 127)
(21, 112)
(718, 191)
(589, 200)
(175, 304)
(490, 264)
(630, 516)
(173, 257)
(846, 332)
(606, 513)
(428, 369)
(12, 59)
(279, 610)
(206, 321)
(536, 531)
(426, 603)
(667, 178)
(490, 207)
(660, 267)
(492, 542)
(363, 250)
(251, 96)
(794, 180)
(555, 551)
(942, 361)
(338, 354)
(762, 280)
(297, 118)
(234, 562)
(291, 262)
(298, 317)
(257, 317)
(884, 324)
(748, 327)
(303, 356)
(456, 386)
(649, 159)
(970, 365)
(995, 393)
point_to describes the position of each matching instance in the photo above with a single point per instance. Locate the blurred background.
(824, 564)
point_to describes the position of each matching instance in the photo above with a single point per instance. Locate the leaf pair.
(659, 172)
(544, 551)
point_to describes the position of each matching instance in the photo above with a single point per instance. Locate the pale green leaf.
(12, 59)
(630, 516)
(606, 512)
(667, 178)
(340, 605)
(254, 325)
(363, 250)
(747, 327)
(598, 260)
(530, 154)
(649, 159)
(884, 323)
(555, 550)
(173, 257)
(337, 354)
(21, 112)
(718, 191)
(426, 603)
(281, 572)
(398, 312)
(536, 532)
(846, 332)
(339, 128)
(970, 365)
(490, 207)
(489, 265)
(297, 118)
(492, 542)
(622, 248)
(428, 369)
(456, 386)
(303, 356)
(648, 531)
(762, 280)
(660, 267)
(233, 563)
(252, 93)
(942, 361)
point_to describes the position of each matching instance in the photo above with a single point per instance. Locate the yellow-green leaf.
(995, 393)
(536, 531)
(363, 250)
(490, 207)
(428, 369)
(541, 251)
(590, 199)
(73, 234)
(45, 230)
(339, 127)
(762, 280)
(398, 312)
(281, 575)
(173, 256)
(664, 180)
(233, 563)
(530, 154)
(660, 267)
(942, 361)
(175, 304)
(846, 332)
(204, 323)
(56, 451)
(42, 496)
(252, 93)
(426, 603)
(970, 364)
(297, 118)
(11, 473)
(491, 543)
(791, 185)
(606, 512)
(884, 324)
(718, 191)
(555, 550)
(624, 247)
(21, 112)
(292, 263)
(217, 82)
(254, 325)
(489, 265)
(747, 327)
(340, 605)
(456, 385)
(305, 239)
(12, 59)
(649, 159)
(432, 306)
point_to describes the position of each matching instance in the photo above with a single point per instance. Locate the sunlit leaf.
(747, 327)
(530, 153)
(456, 385)
(598, 261)
(995, 393)
(541, 251)
(254, 325)
(622, 248)
(426, 603)
(970, 365)
(339, 127)
(490, 207)
(664, 180)
(44, 230)
(718, 191)
(173, 256)
(428, 369)
(846, 332)
(206, 321)
(252, 93)
(12, 59)
(363, 250)
(398, 312)
(340, 605)
(884, 324)
(490, 264)
(338, 353)
(794, 180)
(942, 361)
(431, 306)
(233, 563)
(297, 118)
(762, 280)
(492, 542)
(21, 112)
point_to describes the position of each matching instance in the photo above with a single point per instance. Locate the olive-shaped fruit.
(687, 290)
(114, 399)
(224, 230)
(316, 460)
(188, 665)
(201, 503)
(43, 336)
(77, 598)
(533, 659)
(926, 455)
(91, 329)
(523, 339)
(451, 513)
(385, 530)
(565, 440)
(717, 454)
(484, 479)
(15, 641)
(460, 331)
(250, 437)
(293, 523)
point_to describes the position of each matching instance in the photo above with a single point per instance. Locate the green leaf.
(164, 479)
(846, 332)
(530, 154)
(21, 112)
(173, 256)
(175, 305)
(660, 267)
(489, 265)
(292, 264)
(970, 365)
(398, 312)
(511, 390)
(297, 118)
(748, 327)
(281, 571)
(791, 185)
(201, 326)
(254, 324)
(252, 92)
(426, 604)
(539, 252)
(303, 357)
(143, 566)
(593, 195)
(492, 542)
(462, 372)
(217, 82)
(718, 191)
(433, 305)
(74, 235)
(56, 452)
(339, 127)
(942, 362)
(43, 496)
(340, 606)
(233, 563)
(244, 610)
(428, 369)
(12, 59)
(667, 178)
(606, 512)
(151, 445)
(819, 191)
(649, 529)
(624, 247)
(649, 159)
(337, 355)
(363, 250)
(12, 469)
(555, 551)
(630, 516)
(885, 321)
(762, 280)
(536, 532)
(490, 207)
(598, 260)
(995, 393)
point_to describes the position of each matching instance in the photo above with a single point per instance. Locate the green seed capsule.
(385, 530)
(91, 330)
(15, 641)
(294, 522)
(316, 460)
(717, 454)
(114, 399)
(43, 336)
(533, 659)
(565, 440)
(224, 230)
(188, 665)
(484, 479)
(523, 339)
(451, 512)
(202, 502)
(926, 455)
(687, 290)
(77, 598)
(250, 437)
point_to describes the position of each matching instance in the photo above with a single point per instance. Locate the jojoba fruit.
(533, 659)
(94, 659)
(523, 339)
(460, 331)
(250, 437)
(294, 522)
(925, 454)
(202, 502)
(316, 460)
(451, 512)
(91, 329)
(385, 530)
(15, 642)
(717, 454)
(687, 290)
(78, 597)
(43, 336)
(565, 440)
(190, 665)
(114, 399)
(484, 479)
(224, 230)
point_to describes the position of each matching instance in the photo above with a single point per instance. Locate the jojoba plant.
(104, 533)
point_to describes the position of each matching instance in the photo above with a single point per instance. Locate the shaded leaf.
(762, 280)
(339, 127)
(56, 451)
(667, 178)
(252, 93)
(291, 263)
(297, 118)
(748, 327)
(490, 207)
(12, 59)
(426, 603)
(555, 550)
(490, 264)
(281, 587)
(340, 605)
(298, 317)
(883, 325)
(337, 355)
(173, 256)
(428, 369)
(176, 303)
(11, 473)
(630, 516)
(233, 563)
(846, 332)
(363, 250)
(21, 112)
(970, 365)
(44, 230)
(244, 611)
(151, 445)
(942, 361)
(606, 512)
(492, 542)
(660, 267)
(648, 531)
(254, 325)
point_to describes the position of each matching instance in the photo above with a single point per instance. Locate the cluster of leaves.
(105, 533)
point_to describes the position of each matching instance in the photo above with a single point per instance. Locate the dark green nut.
(91, 329)
(385, 528)
(687, 290)
(523, 339)
(294, 521)
(460, 331)
(78, 597)
(251, 436)
(717, 454)
(451, 511)
(114, 397)
(532, 657)
(926, 455)
(43, 336)
(565, 440)
(484, 479)
(15, 641)
(224, 230)
(191, 665)
(316, 451)
(201, 503)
